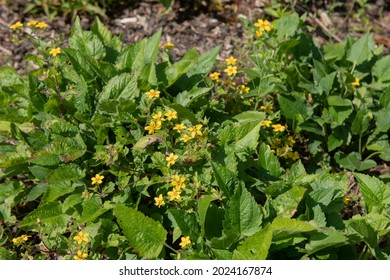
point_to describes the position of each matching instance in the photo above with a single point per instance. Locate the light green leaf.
(148, 140)
(362, 49)
(92, 208)
(69, 172)
(286, 203)
(174, 71)
(287, 25)
(376, 194)
(326, 238)
(145, 235)
(120, 87)
(285, 227)
(255, 247)
(185, 98)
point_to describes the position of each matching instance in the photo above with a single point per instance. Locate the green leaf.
(326, 238)
(243, 215)
(334, 51)
(185, 98)
(338, 137)
(203, 207)
(121, 87)
(361, 122)
(284, 227)
(326, 83)
(250, 116)
(376, 194)
(294, 105)
(56, 190)
(353, 161)
(184, 223)
(176, 70)
(92, 208)
(362, 49)
(269, 165)
(287, 203)
(50, 214)
(69, 172)
(287, 25)
(86, 42)
(381, 69)
(255, 247)
(145, 235)
(382, 118)
(148, 140)
(226, 179)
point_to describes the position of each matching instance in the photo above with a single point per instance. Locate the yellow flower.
(231, 70)
(231, 60)
(244, 89)
(171, 159)
(278, 127)
(98, 179)
(195, 130)
(290, 141)
(186, 138)
(185, 241)
(153, 126)
(178, 182)
(263, 25)
(169, 45)
(293, 155)
(55, 51)
(266, 123)
(267, 108)
(171, 114)
(158, 117)
(159, 201)
(356, 83)
(80, 256)
(32, 23)
(21, 239)
(41, 24)
(179, 127)
(215, 76)
(16, 25)
(346, 200)
(174, 194)
(153, 94)
(282, 151)
(80, 237)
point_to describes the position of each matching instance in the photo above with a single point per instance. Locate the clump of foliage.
(115, 151)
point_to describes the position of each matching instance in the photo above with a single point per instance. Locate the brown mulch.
(201, 28)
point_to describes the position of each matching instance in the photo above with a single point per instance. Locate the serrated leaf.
(69, 172)
(144, 234)
(287, 25)
(50, 214)
(226, 179)
(92, 208)
(123, 86)
(56, 190)
(243, 215)
(255, 247)
(376, 194)
(294, 104)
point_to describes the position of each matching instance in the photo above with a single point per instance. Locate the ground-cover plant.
(115, 151)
